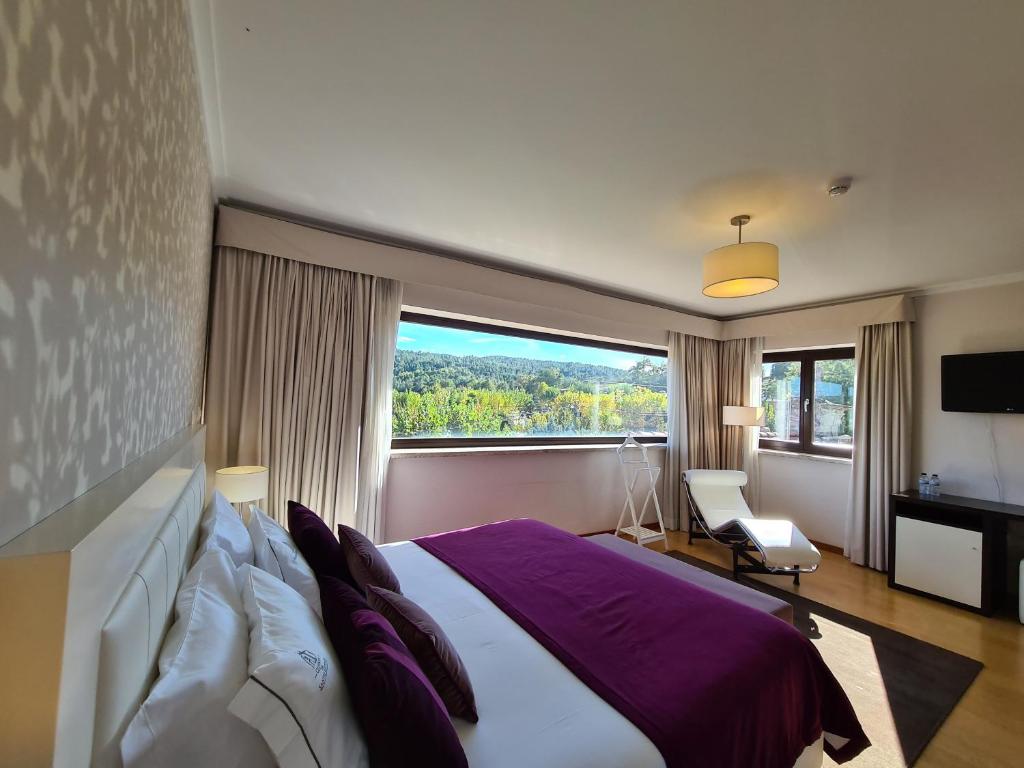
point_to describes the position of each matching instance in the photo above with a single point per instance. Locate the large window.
(808, 401)
(467, 383)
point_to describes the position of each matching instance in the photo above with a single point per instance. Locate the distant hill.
(425, 371)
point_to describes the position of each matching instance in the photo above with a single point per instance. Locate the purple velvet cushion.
(433, 650)
(316, 543)
(367, 565)
(402, 717)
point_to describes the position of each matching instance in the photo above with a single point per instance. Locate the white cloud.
(406, 338)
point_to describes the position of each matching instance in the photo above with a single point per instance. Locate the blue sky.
(454, 341)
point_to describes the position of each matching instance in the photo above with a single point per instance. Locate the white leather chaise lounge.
(717, 507)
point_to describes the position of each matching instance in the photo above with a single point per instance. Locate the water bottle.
(933, 485)
(922, 484)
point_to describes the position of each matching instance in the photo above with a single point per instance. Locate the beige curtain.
(299, 380)
(739, 374)
(677, 453)
(881, 454)
(703, 413)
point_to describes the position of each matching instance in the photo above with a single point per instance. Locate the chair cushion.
(782, 543)
(716, 477)
(720, 505)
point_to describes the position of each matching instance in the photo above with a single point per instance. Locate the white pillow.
(223, 529)
(277, 554)
(296, 694)
(203, 663)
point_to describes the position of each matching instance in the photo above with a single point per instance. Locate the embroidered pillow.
(433, 650)
(403, 720)
(365, 563)
(296, 694)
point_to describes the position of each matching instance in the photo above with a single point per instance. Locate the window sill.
(811, 456)
(505, 450)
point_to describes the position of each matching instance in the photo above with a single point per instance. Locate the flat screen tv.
(989, 383)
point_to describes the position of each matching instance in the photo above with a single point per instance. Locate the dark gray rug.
(901, 688)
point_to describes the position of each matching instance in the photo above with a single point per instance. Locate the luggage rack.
(636, 467)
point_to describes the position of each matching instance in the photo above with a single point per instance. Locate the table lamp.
(242, 484)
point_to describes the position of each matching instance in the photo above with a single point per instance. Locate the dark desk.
(963, 524)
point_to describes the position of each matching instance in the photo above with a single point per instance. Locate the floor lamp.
(745, 416)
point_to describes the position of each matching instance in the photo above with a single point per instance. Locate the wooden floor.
(987, 726)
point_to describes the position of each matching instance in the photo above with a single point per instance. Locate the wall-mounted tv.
(988, 383)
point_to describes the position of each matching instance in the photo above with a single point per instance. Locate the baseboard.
(827, 547)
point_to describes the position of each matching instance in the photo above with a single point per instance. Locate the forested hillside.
(453, 395)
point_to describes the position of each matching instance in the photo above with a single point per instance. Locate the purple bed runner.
(709, 681)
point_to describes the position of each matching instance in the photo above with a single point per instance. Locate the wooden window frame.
(400, 443)
(807, 358)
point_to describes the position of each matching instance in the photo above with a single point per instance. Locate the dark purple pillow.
(433, 650)
(402, 717)
(316, 543)
(367, 565)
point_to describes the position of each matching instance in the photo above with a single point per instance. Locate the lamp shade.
(741, 269)
(742, 415)
(240, 484)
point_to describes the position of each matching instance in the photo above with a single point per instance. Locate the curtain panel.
(739, 377)
(703, 410)
(881, 453)
(678, 449)
(299, 380)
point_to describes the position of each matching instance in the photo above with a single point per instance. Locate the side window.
(808, 398)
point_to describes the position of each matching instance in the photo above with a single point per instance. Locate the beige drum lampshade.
(742, 415)
(241, 484)
(741, 269)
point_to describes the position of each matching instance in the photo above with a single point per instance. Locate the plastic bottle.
(922, 484)
(933, 485)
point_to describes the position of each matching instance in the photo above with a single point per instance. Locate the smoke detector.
(839, 187)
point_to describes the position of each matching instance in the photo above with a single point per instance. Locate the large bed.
(125, 563)
(534, 711)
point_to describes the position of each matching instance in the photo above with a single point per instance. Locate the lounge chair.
(716, 510)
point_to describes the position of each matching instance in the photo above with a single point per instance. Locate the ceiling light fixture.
(741, 269)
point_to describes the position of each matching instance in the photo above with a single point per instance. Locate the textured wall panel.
(105, 219)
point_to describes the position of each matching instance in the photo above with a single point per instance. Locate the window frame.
(402, 443)
(807, 358)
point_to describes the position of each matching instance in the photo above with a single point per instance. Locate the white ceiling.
(610, 142)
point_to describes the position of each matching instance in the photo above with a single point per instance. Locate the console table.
(950, 548)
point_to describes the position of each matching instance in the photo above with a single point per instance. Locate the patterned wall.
(105, 227)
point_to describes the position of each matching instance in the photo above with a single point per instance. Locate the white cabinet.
(941, 560)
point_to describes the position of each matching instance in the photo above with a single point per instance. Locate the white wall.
(811, 491)
(968, 450)
(577, 490)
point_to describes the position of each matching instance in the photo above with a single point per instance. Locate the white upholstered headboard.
(87, 596)
(133, 633)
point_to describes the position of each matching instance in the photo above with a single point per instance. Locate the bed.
(125, 568)
(569, 726)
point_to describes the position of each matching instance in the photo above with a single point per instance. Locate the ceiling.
(609, 143)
